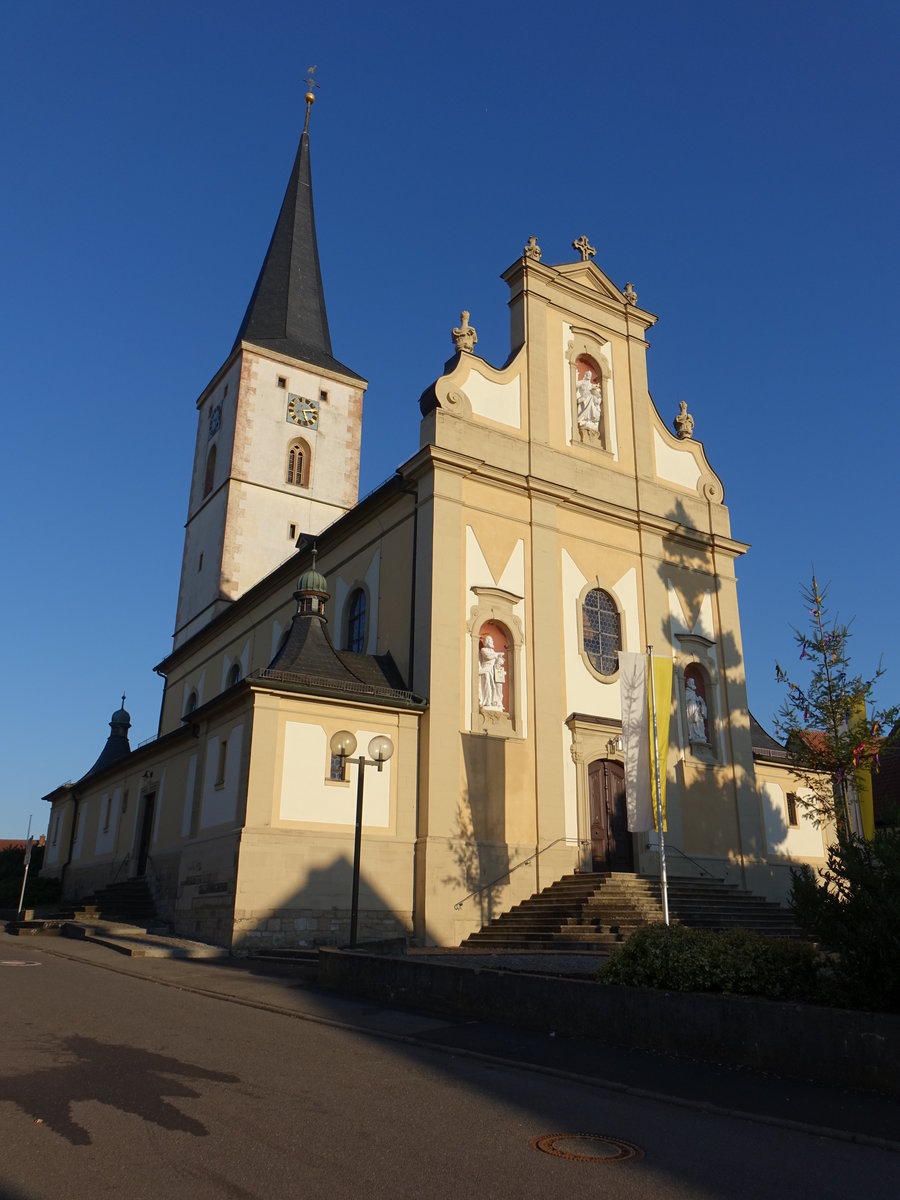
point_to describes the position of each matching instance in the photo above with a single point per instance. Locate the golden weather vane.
(310, 96)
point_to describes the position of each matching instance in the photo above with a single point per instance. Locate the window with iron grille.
(601, 629)
(337, 771)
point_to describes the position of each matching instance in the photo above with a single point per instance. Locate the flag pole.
(663, 884)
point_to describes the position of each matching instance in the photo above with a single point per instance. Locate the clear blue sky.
(737, 162)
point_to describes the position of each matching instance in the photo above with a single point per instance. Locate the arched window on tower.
(210, 476)
(601, 629)
(298, 463)
(356, 621)
(234, 675)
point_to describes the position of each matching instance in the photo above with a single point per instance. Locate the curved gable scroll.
(683, 462)
(475, 391)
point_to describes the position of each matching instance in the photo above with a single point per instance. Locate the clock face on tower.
(301, 411)
(215, 420)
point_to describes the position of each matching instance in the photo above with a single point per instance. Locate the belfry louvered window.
(298, 464)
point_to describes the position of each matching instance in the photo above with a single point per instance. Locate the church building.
(462, 624)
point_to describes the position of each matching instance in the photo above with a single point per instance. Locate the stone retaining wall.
(834, 1046)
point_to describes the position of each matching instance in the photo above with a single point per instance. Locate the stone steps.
(128, 900)
(605, 909)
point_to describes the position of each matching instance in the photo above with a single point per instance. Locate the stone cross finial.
(532, 249)
(684, 422)
(584, 248)
(464, 336)
(630, 293)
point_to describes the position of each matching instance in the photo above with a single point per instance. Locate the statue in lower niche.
(695, 708)
(491, 675)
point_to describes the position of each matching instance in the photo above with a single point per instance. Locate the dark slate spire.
(286, 312)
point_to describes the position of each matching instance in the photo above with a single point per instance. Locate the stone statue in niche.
(696, 712)
(491, 675)
(588, 400)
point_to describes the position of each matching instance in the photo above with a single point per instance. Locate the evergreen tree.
(831, 731)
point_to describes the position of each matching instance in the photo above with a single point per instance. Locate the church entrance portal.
(610, 840)
(146, 829)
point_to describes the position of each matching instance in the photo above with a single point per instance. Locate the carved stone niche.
(590, 388)
(496, 647)
(697, 682)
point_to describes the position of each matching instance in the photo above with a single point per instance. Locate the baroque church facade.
(471, 610)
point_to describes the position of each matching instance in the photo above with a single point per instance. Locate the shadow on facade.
(480, 852)
(318, 912)
(723, 810)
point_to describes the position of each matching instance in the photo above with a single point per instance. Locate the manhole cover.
(17, 962)
(587, 1147)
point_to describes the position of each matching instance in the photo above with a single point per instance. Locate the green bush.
(735, 961)
(852, 907)
(38, 892)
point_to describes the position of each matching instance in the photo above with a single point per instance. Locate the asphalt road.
(159, 1078)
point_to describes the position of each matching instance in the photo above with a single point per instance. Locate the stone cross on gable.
(584, 247)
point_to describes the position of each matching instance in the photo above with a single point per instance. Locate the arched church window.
(601, 628)
(191, 704)
(210, 476)
(234, 675)
(298, 462)
(356, 621)
(696, 704)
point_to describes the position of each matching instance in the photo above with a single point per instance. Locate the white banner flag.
(636, 740)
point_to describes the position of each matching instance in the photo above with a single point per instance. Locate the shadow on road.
(122, 1076)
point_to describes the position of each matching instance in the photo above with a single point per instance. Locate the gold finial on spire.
(310, 96)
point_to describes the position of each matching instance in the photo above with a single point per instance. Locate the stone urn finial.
(532, 249)
(464, 336)
(684, 422)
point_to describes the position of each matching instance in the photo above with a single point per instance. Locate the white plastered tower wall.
(244, 520)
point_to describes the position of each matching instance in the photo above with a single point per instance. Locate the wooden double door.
(611, 848)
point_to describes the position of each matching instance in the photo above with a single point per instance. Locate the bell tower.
(278, 428)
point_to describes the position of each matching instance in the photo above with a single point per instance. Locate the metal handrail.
(678, 850)
(118, 869)
(506, 874)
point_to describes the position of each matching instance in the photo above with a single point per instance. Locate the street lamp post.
(343, 743)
